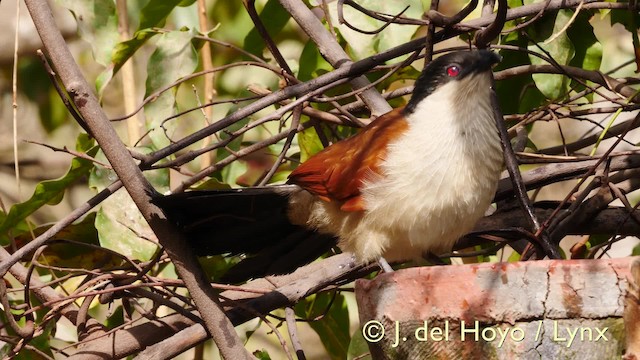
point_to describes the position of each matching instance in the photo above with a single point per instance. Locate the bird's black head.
(450, 67)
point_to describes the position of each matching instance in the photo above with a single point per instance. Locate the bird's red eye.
(453, 71)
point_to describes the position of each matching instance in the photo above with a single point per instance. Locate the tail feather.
(283, 257)
(251, 221)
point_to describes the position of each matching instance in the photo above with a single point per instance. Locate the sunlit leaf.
(173, 59)
(120, 225)
(97, 25)
(121, 53)
(550, 35)
(262, 355)
(309, 143)
(218, 265)
(49, 192)
(153, 15)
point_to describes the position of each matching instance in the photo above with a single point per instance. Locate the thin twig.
(293, 333)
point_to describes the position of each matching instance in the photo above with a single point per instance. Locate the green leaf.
(174, 58)
(49, 192)
(333, 326)
(514, 3)
(358, 347)
(549, 33)
(597, 240)
(588, 50)
(311, 61)
(120, 225)
(213, 184)
(517, 94)
(153, 15)
(262, 354)
(626, 19)
(121, 53)
(274, 17)
(309, 143)
(122, 228)
(72, 255)
(116, 318)
(364, 45)
(97, 25)
(218, 265)
(36, 85)
(514, 257)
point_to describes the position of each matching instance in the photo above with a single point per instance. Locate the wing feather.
(337, 172)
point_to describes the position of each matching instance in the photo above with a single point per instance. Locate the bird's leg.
(384, 265)
(433, 258)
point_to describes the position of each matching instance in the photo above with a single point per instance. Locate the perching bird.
(412, 181)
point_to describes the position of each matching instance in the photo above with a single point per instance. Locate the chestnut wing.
(337, 172)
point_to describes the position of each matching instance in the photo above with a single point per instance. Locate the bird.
(411, 182)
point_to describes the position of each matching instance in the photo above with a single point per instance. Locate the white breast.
(438, 179)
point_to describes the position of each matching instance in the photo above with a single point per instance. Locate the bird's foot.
(384, 265)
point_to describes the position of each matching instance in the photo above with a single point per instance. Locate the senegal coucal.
(412, 181)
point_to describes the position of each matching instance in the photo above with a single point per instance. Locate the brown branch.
(386, 18)
(552, 173)
(25, 331)
(66, 150)
(153, 96)
(333, 52)
(343, 21)
(594, 76)
(308, 279)
(355, 69)
(607, 221)
(431, 30)
(511, 163)
(293, 333)
(485, 36)
(613, 131)
(47, 294)
(297, 112)
(61, 93)
(438, 19)
(156, 337)
(307, 110)
(207, 64)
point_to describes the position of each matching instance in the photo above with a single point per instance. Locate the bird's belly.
(416, 209)
(413, 226)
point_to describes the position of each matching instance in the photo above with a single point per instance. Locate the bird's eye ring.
(453, 71)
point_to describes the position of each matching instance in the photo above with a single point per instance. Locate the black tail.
(251, 221)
